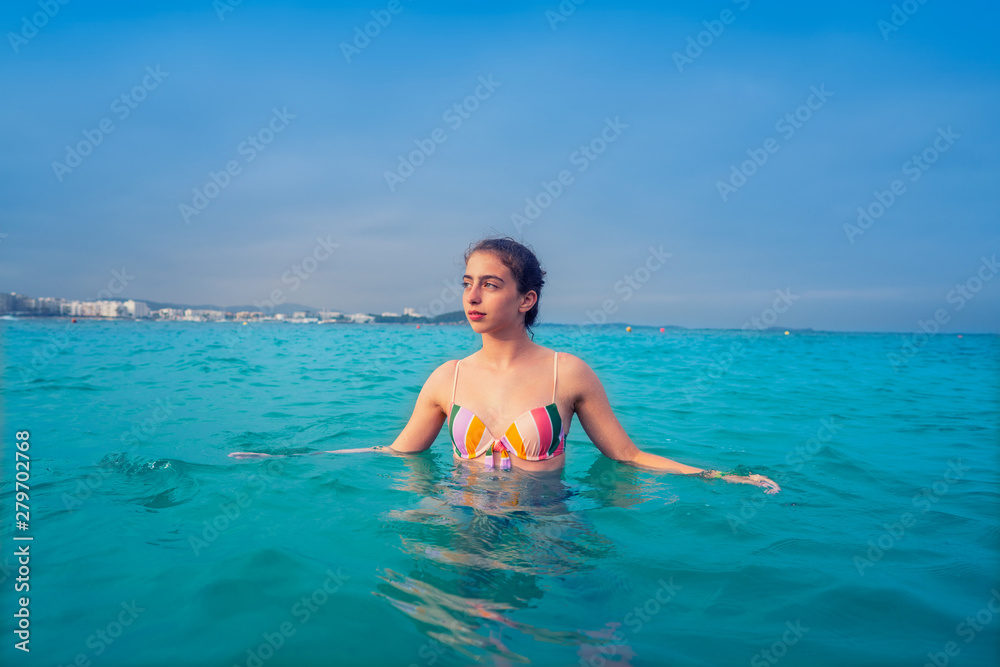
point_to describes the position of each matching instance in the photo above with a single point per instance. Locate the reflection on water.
(457, 620)
(483, 543)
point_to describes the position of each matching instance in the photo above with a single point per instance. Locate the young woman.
(511, 403)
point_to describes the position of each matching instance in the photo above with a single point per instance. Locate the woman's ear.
(528, 301)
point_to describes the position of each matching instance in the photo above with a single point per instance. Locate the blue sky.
(200, 90)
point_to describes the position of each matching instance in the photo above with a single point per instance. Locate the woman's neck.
(503, 349)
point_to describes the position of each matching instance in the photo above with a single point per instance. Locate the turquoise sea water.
(152, 547)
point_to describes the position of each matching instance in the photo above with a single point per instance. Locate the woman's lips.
(475, 315)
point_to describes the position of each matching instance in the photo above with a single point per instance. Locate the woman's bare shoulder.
(571, 361)
(437, 387)
(442, 374)
(574, 369)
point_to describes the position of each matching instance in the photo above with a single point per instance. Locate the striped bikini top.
(536, 435)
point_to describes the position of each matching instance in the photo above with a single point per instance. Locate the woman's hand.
(770, 486)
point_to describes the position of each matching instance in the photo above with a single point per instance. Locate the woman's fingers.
(757, 480)
(770, 486)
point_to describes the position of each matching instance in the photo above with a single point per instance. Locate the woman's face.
(491, 298)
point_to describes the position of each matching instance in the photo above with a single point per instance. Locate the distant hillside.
(445, 318)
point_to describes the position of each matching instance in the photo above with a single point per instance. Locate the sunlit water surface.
(153, 547)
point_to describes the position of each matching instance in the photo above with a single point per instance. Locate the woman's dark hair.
(522, 264)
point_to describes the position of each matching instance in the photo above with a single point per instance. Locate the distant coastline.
(17, 305)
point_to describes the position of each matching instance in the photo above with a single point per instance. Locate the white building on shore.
(203, 315)
(170, 313)
(136, 309)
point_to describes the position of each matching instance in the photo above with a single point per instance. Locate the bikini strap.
(555, 374)
(454, 385)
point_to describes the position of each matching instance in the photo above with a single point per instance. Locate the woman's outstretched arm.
(418, 434)
(261, 455)
(604, 430)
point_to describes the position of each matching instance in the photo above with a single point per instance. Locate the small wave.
(284, 441)
(44, 385)
(794, 546)
(156, 484)
(127, 366)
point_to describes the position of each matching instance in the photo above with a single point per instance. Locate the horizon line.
(806, 330)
